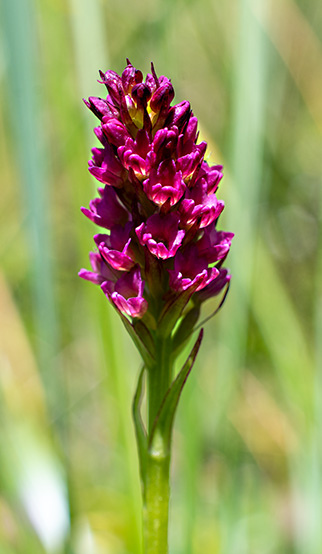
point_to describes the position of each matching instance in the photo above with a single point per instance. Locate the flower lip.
(179, 282)
(115, 248)
(161, 235)
(106, 167)
(199, 207)
(212, 174)
(191, 264)
(215, 287)
(214, 245)
(101, 272)
(136, 154)
(164, 183)
(127, 293)
(107, 210)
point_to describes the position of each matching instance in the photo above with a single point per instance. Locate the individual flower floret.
(101, 271)
(215, 287)
(199, 207)
(127, 293)
(164, 184)
(191, 268)
(107, 210)
(104, 165)
(136, 154)
(115, 248)
(161, 235)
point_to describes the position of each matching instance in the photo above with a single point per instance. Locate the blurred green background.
(247, 464)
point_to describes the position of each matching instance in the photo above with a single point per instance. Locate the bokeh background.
(247, 466)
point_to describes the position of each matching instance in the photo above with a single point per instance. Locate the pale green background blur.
(247, 466)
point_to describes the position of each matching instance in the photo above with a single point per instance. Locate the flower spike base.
(159, 254)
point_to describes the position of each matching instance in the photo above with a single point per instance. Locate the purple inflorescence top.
(157, 204)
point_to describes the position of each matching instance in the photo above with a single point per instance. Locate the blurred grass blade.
(29, 140)
(279, 324)
(300, 47)
(31, 476)
(246, 189)
(90, 50)
(246, 157)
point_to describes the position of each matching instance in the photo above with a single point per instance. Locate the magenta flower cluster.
(157, 204)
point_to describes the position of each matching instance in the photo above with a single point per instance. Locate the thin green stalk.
(156, 491)
(159, 378)
(156, 501)
(19, 25)
(154, 447)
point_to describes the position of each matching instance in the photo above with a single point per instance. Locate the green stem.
(159, 377)
(156, 484)
(154, 446)
(156, 503)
